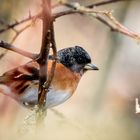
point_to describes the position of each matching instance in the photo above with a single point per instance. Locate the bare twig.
(10, 47)
(64, 13)
(11, 26)
(118, 27)
(105, 2)
(30, 17)
(80, 10)
(17, 23)
(96, 4)
(19, 32)
(111, 21)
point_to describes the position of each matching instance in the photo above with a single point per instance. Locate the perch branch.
(53, 46)
(44, 52)
(43, 61)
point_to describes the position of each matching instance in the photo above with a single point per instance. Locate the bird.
(21, 83)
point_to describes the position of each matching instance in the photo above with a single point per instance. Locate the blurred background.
(103, 106)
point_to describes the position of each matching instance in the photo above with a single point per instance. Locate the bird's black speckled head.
(74, 58)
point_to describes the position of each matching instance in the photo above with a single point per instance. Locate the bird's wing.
(29, 71)
(20, 78)
(26, 72)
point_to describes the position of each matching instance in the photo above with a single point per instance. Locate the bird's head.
(76, 59)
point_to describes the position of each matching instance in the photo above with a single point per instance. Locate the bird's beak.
(90, 66)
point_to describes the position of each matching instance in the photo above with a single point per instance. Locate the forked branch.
(106, 17)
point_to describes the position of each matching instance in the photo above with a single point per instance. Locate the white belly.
(54, 97)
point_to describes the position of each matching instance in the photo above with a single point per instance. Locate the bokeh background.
(103, 106)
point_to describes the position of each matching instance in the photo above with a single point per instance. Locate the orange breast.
(64, 79)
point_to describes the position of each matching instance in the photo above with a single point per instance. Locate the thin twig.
(18, 32)
(17, 23)
(11, 26)
(122, 29)
(10, 47)
(64, 13)
(96, 4)
(101, 3)
(111, 22)
(80, 10)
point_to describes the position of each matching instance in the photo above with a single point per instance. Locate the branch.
(18, 32)
(44, 52)
(11, 26)
(17, 23)
(43, 62)
(105, 17)
(118, 27)
(80, 10)
(101, 3)
(51, 75)
(10, 47)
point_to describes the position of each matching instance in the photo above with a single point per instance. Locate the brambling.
(21, 83)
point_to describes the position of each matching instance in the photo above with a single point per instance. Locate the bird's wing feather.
(18, 79)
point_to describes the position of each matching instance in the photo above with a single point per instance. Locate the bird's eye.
(80, 58)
